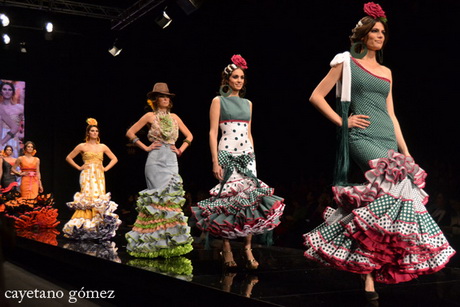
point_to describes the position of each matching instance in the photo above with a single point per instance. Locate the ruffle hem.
(36, 213)
(161, 228)
(382, 226)
(241, 211)
(103, 223)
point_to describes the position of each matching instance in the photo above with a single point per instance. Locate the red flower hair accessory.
(238, 62)
(375, 11)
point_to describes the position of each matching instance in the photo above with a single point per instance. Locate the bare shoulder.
(175, 116)
(216, 100)
(386, 71)
(149, 115)
(80, 147)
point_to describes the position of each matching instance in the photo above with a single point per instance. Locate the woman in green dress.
(381, 229)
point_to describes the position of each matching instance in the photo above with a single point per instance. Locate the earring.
(358, 50)
(243, 91)
(380, 56)
(225, 90)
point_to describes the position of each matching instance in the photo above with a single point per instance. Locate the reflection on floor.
(284, 277)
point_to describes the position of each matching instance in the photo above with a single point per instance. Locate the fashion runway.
(104, 274)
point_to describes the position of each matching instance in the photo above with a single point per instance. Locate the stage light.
(49, 27)
(115, 49)
(22, 47)
(5, 20)
(189, 6)
(164, 20)
(6, 39)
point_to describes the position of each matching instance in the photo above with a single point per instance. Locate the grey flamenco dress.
(161, 228)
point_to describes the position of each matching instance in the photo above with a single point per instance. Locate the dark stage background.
(288, 46)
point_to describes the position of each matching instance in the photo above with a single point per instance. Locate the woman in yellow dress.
(94, 217)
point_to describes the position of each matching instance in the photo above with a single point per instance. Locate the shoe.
(251, 264)
(371, 295)
(228, 264)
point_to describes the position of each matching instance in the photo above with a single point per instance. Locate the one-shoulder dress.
(94, 217)
(381, 226)
(241, 204)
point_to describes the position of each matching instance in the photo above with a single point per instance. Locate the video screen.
(12, 101)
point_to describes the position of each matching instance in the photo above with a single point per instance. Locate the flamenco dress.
(382, 226)
(94, 217)
(9, 182)
(241, 204)
(161, 228)
(31, 210)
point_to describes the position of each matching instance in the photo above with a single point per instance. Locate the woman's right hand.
(358, 121)
(153, 146)
(217, 171)
(83, 167)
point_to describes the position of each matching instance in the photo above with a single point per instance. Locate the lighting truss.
(68, 7)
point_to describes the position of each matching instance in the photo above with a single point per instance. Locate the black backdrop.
(288, 46)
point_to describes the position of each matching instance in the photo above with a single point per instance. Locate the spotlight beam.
(136, 11)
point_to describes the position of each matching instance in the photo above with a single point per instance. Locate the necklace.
(166, 123)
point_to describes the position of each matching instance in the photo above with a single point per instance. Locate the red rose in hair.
(239, 61)
(374, 10)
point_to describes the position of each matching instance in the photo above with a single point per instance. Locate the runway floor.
(284, 278)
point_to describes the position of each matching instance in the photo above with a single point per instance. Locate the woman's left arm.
(39, 177)
(187, 134)
(399, 136)
(111, 156)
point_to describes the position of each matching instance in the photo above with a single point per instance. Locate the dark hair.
(10, 84)
(29, 142)
(8, 146)
(359, 33)
(226, 78)
(87, 132)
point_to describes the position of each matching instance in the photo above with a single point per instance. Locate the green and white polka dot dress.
(381, 227)
(368, 97)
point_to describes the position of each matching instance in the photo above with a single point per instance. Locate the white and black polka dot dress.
(242, 204)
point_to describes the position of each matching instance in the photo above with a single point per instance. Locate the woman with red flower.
(381, 228)
(241, 205)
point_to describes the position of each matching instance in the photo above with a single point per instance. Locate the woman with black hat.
(161, 228)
